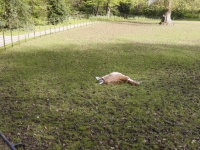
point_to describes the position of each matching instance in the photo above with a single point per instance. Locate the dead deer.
(115, 78)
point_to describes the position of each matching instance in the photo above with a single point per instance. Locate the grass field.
(50, 98)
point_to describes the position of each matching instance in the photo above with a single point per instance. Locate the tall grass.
(50, 98)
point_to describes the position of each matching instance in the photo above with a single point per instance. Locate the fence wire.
(18, 31)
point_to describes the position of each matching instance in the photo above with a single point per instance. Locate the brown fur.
(116, 77)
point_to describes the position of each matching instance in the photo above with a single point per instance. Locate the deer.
(115, 78)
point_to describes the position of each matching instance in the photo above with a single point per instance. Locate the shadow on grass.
(138, 23)
(51, 100)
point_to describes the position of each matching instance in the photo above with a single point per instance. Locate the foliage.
(14, 11)
(124, 8)
(37, 10)
(180, 8)
(89, 7)
(56, 9)
(100, 6)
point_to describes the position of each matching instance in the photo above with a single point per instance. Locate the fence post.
(27, 28)
(63, 23)
(34, 28)
(59, 21)
(11, 36)
(77, 19)
(4, 42)
(18, 32)
(50, 24)
(45, 26)
(54, 25)
(25, 32)
(80, 20)
(67, 22)
(40, 31)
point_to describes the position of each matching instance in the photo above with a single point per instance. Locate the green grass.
(50, 98)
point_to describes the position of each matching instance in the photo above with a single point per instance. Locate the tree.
(166, 17)
(124, 8)
(86, 6)
(15, 11)
(110, 4)
(38, 8)
(56, 10)
(99, 5)
(95, 6)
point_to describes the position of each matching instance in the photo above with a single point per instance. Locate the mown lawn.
(50, 98)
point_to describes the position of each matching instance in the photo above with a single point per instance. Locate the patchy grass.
(50, 98)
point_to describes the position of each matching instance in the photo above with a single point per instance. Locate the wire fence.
(17, 31)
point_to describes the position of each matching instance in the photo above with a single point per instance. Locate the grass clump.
(50, 99)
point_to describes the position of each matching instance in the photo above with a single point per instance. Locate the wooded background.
(37, 10)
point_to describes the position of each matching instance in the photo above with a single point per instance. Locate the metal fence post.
(74, 20)
(4, 42)
(54, 25)
(18, 32)
(67, 22)
(63, 23)
(49, 25)
(34, 28)
(59, 23)
(40, 31)
(25, 33)
(11, 36)
(27, 28)
(45, 26)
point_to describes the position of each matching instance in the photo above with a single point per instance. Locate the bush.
(177, 14)
(191, 15)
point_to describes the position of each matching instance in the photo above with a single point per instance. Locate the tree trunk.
(96, 11)
(166, 18)
(107, 10)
